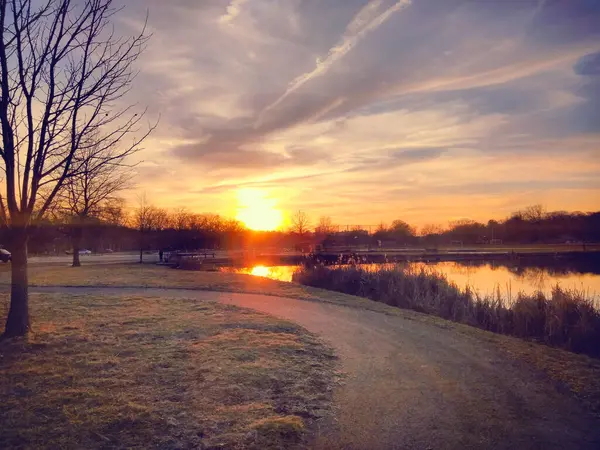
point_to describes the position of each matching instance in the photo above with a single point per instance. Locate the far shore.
(533, 254)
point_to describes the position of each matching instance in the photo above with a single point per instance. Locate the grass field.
(152, 276)
(121, 372)
(577, 373)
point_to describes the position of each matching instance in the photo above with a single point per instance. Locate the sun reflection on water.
(260, 271)
(281, 273)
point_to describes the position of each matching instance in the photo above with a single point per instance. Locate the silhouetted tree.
(62, 70)
(148, 219)
(431, 234)
(402, 232)
(467, 231)
(325, 226)
(86, 196)
(431, 229)
(534, 213)
(300, 223)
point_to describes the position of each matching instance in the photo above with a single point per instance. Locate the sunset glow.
(337, 109)
(272, 223)
(257, 211)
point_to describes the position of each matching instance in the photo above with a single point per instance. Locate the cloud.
(233, 10)
(266, 183)
(389, 159)
(588, 65)
(495, 76)
(235, 154)
(403, 99)
(367, 20)
(406, 156)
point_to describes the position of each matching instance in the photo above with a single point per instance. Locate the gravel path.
(411, 385)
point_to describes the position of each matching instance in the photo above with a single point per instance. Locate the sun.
(257, 211)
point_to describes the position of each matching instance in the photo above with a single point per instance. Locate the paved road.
(99, 259)
(412, 385)
(106, 258)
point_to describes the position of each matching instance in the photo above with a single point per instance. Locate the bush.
(566, 319)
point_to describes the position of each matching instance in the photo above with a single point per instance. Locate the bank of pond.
(557, 308)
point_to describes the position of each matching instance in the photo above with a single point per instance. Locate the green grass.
(125, 372)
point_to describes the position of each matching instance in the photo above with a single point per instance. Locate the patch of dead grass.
(122, 372)
(152, 276)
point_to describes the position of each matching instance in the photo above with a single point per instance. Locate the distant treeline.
(151, 228)
(532, 225)
(164, 230)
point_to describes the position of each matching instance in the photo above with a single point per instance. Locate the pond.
(484, 278)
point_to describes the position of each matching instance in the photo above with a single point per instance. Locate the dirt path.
(412, 385)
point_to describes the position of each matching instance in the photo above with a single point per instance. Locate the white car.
(83, 251)
(5, 255)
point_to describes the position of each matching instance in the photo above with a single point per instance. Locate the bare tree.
(300, 223)
(90, 194)
(113, 212)
(534, 213)
(325, 226)
(431, 229)
(148, 219)
(181, 219)
(63, 71)
(381, 228)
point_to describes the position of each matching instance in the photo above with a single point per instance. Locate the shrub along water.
(566, 319)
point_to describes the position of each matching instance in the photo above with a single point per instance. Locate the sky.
(368, 111)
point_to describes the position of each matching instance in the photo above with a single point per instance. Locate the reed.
(567, 318)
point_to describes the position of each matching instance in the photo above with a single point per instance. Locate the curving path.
(411, 385)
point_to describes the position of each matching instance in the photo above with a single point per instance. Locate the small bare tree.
(534, 213)
(91, 193)
(63, 72)
(430, 229)
(325, 226)
(300, 223)
(148, 219)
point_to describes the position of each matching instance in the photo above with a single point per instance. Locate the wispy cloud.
(434, 99)
(540, 6)
(500, 75)
(368, 19)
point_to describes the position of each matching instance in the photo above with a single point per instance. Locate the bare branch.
(64, 71)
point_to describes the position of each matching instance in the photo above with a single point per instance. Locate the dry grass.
(152, 276)
(123, 372)
(145, 275)
(579, 374)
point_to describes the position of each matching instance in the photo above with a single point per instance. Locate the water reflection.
(483, 278)
(488, 278)
(281, 273)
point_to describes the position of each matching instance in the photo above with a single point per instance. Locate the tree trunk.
(141, 255)
(17, 323)
(76, 246)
